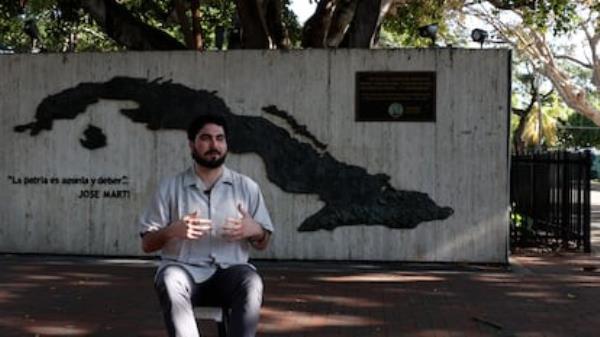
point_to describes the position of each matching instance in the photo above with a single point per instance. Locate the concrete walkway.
(549, 296)
(595, 217)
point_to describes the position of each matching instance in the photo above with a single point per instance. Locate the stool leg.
(224, 324)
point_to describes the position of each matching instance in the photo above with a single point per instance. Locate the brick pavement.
(541, 296)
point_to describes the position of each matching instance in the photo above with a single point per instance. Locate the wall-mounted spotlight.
(429, 32)
(479, 35)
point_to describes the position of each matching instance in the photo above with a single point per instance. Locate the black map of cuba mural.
(351, 195)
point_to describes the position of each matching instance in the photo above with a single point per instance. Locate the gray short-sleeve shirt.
(185, 193)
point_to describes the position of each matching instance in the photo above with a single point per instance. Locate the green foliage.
(61, 26)
(217, 16)
(290, 20)
(11, 28)
(401, 29)
(518, 220)
(64, 26)
(527, 232)
(553, 110)
(578, 131)
(221, 13)
(561, 15)
(523, 233)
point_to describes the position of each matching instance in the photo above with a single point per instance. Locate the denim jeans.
(238, 288)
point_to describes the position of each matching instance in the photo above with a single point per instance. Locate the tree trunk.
(518, 143)
(342, 17)
(184, 23)
(196, 28)
(345, 23)
(234, 38)
(277, 30)
(127, 30)
(572, 95)
(316, 27)
(255, 34)
(364, 29)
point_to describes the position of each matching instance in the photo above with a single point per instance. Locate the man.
(204, 220)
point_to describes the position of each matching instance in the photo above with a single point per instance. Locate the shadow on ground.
(538, 296)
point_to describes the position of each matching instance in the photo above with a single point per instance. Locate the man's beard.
(214, 163)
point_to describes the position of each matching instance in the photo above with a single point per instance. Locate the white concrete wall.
(460, 161)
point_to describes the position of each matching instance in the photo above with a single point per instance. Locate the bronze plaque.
(395, 96)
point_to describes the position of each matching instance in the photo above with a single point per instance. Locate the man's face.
(209, 149)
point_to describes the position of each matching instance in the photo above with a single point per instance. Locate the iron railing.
(550, 200)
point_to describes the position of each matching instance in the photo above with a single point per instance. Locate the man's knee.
(252, 285)
(173, 282)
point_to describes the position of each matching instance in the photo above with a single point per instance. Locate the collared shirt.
(186, 193)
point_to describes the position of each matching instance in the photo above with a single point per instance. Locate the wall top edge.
(441, 50)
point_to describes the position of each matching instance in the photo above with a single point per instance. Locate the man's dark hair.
(200, 121)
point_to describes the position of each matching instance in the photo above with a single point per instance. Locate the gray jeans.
(239, 288)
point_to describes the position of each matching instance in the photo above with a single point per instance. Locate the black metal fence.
(550, 200)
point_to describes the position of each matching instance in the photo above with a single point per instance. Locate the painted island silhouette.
(351, 195)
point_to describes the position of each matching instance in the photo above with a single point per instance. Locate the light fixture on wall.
(430, 32)
(479, 35)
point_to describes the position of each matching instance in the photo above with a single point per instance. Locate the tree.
(195, 24)
(534, 124)
(146, 25)
(46, 26)
(333, 20)
(529, 29)
(576, 130)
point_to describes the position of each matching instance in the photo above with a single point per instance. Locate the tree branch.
(515, 4)
(316, 27)
(593, 38)
(519, 112)
(532, 44)
(574, 60)
(196, 28)
(120, 25)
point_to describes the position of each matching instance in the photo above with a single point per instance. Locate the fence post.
(566, 199)
(587, 243)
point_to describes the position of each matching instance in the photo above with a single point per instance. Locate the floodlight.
(429, 31)
(479, 35)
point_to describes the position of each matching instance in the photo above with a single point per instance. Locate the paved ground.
(541, 295)
(549, 296)
(595, 217)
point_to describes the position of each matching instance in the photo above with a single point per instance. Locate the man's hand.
(236, 229)
(190, 227)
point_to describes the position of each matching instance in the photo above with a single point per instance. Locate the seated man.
(204, 220)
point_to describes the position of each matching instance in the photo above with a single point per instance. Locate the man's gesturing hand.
(241, 228)
(191, 227)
